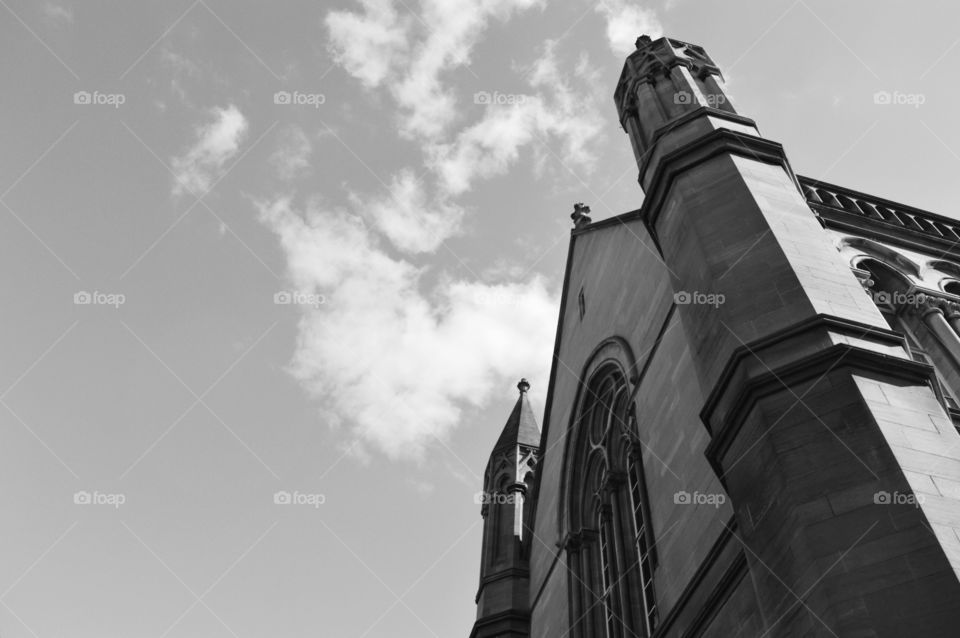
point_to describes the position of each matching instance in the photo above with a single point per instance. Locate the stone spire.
(521, 427)
(503, 605)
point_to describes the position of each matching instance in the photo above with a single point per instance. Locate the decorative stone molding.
(851, 210)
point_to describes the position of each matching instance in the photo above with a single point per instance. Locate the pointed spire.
(521, 427)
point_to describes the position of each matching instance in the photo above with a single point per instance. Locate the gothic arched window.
(610, 558)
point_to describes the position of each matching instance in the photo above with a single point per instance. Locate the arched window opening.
(610, 515)
(887, 286)
(953, 287)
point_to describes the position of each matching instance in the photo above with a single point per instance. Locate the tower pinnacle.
(503, 605)
(670, 92)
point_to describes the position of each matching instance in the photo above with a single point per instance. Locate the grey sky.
(320, 245)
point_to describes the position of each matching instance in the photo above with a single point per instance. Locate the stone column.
(575, 571)
(593, 621)
(953, 317)
(931, 311)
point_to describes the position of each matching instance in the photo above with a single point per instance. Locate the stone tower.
(729, 216)
(751, 421)
(503, 608)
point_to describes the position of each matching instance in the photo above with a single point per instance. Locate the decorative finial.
(581, 215)
(643, 41)
(523, 386)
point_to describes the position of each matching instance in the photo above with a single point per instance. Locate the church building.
(751, 421)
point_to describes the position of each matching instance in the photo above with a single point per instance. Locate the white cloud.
(58, 14)
(412, 221)
(626, 21)
(368, 45)
(397, 364)
(390, 358)
(377, 47)
(292, 157)
(417, 218)
(492, 145)
(217, 142)
(486, 148)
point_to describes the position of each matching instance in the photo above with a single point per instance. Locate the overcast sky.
(260, 251)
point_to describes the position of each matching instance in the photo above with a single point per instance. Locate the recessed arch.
(612, 356)
(866, 248)
(885, 277)
(604, 510)
(946, 267)
(951, 286)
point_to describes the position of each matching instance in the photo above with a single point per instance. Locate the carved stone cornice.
(922, 301)
(689, 156)
(852, 211)
(930, 307)
(811, 336)
(812, 349)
